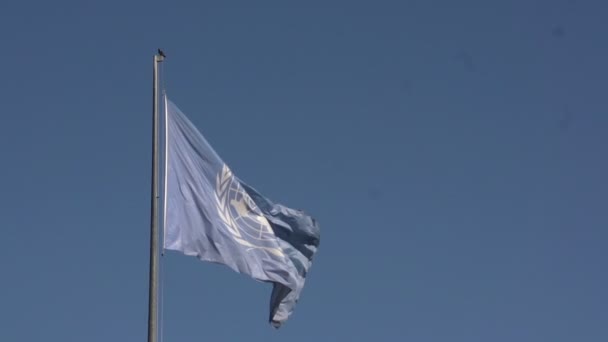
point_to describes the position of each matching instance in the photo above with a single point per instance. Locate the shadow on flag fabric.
(213, 215)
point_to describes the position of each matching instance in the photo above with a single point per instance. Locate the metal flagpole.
(154, 248)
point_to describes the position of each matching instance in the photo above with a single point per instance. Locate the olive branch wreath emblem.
(222, 189)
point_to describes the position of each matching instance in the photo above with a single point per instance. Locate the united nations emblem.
(241, 216)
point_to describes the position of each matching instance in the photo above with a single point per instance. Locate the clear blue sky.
(454, 153)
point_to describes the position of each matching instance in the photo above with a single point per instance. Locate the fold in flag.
(213, 215)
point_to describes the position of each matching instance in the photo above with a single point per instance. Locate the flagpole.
(154, 247)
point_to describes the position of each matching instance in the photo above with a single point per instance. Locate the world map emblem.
(241, 215)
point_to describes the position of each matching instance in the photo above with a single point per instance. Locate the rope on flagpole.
(161, 322)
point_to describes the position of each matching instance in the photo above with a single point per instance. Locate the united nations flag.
(211, 214)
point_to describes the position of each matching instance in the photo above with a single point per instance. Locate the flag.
(213, 215)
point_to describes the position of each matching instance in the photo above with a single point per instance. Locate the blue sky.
(454, 154)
